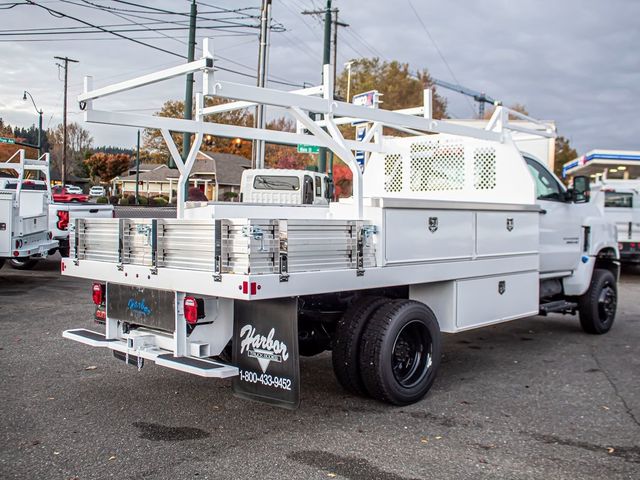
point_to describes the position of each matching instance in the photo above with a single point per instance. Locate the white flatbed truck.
(448, 229)
(24, 212)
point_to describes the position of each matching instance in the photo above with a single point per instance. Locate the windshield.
(618, 200)
(274, 182)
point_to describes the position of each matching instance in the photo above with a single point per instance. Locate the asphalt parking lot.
(535, 398)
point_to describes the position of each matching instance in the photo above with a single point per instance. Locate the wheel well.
(608, 260)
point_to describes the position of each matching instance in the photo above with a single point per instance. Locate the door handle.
(543, 211)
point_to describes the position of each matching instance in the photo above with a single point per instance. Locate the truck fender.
(600, 250)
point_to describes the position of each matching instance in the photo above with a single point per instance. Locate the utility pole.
(188, 95)
(326, 58)
(336, 24)
(138, 169)
(63, 172)
(258, 151)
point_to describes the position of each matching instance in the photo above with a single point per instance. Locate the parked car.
(97, 191)
(63, 195)
(73, 189)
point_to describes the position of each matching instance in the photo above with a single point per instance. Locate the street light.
(24, 97)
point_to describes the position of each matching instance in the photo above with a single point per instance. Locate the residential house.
(213, 173)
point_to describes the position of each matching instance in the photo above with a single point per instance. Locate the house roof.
(226, 167)
(144, 167)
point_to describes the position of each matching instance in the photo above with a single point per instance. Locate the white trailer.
(444, 233)
(24, 211)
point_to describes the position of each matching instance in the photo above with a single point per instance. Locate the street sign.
(308, 148)
(369, 99)
(361, 132)
(7, 140)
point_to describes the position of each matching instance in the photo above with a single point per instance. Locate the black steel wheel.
(597, 307)
(23, 263)
(400, 352)
(346, 342)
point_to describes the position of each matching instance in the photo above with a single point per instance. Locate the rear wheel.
(23, 263)
(1, 262)
(597, 307)
(346, 342)
(400, 352)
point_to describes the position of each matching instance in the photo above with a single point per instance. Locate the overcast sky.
(573, 61)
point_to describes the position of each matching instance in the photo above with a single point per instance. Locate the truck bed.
(253, 258)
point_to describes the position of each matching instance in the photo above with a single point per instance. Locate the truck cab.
(285, 187)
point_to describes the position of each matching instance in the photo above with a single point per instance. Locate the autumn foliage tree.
(107, 166)
(563, 154)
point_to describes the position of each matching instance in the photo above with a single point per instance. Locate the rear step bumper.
(164, 358)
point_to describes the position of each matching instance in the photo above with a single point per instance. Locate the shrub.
(102, 200)
(160, 202)
(113, 200)
(229, 196)
(131, 199)
(123, 201)
(143, 201)
(196, 195)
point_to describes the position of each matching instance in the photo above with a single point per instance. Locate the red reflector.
(16, 253)
(191, 310)
(98, 293)
(245, 287)
(62, 266)
(253, 288)
(63, 219)
(633, 245)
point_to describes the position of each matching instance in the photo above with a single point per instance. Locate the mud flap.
(265, 350)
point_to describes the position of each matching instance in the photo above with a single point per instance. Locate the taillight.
(18, 243)
(63, 219)
(98, 293)
(193, 309)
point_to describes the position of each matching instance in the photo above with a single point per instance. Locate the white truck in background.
(622, 206)
(286, 187)
(448, 229)
(24, 212)
(60, 217)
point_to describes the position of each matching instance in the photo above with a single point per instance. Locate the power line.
(58, 14)
(444, 60)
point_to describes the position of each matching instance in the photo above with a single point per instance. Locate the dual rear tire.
(387, 349)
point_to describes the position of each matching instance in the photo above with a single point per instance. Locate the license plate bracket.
(141, 306)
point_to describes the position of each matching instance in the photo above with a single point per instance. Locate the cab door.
(560, 224)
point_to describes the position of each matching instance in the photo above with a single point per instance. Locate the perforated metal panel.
(436, 166)
(484, 168)
(393, 173)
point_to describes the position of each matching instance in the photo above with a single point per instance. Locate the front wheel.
(400, 352)
(23, 263)
(597, 307)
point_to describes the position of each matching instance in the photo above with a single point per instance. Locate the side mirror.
(581, 189)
